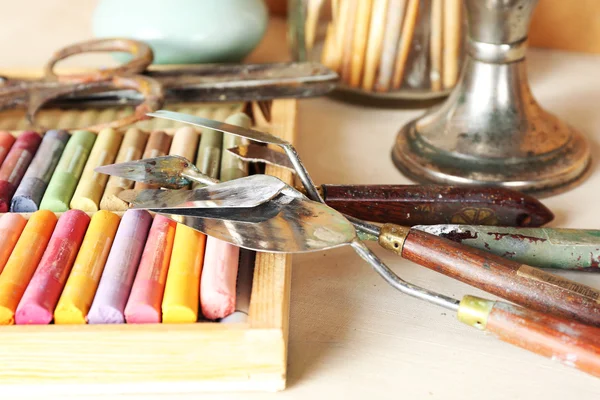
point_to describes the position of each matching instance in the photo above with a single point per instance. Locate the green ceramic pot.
(186, 31)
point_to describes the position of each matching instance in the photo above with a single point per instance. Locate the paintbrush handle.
(571, 343)
(436, 204)
(519, 283)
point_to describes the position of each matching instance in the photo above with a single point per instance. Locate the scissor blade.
(262, 154)
(166, 171)
(247, 133)
(245, 192)
(282, 225)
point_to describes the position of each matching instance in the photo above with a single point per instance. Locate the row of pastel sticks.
(369, 41)
(107, 269)
(67, 175)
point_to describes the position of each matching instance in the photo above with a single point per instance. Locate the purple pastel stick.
(117, 278)
(29, 194)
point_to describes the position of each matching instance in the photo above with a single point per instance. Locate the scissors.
(133, 83)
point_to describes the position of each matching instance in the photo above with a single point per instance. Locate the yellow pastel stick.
(180, 301)
(91, 184)
(23, 261)
(78, 294)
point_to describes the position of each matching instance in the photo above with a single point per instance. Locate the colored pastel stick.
(29, 194)
(91, 185)
(185, 142)
(180, 302)
(115, 285)
(219, 273)
(23, 261)
(208, 158)
(44, 289)
(243, 289)
(15, 164)
(76, 298)
(6, 142)
(11, 227)
(144, 304)
(158, 145)
(131, 149)
(68, 171)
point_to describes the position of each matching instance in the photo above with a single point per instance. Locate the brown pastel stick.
(185, 143)
(158, 145)
(518, 283)
(568, 342)
(452, 38)
(347, 39)
(435, 45)
(131, 149)
(406, 37)
(359, 45)
(393, 26)
(375, 43)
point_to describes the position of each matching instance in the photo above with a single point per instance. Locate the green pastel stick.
(208, 159)
(68, 171)
(231, 166)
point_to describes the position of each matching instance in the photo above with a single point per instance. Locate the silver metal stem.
(399, 284)
(309, 185)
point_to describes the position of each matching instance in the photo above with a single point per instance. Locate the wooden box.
(161, 358)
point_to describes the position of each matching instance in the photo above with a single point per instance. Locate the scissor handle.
(141, 52)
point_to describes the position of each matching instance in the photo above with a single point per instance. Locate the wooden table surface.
(351, 335)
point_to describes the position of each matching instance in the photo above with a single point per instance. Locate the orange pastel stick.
(23, 261)
(11, 226)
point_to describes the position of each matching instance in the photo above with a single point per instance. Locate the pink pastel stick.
(120, 269)
(219, 275)
(144, 304)
(42, 293)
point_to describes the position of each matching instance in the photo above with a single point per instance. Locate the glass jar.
(396, 49)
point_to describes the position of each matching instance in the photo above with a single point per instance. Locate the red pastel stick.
(144, 303)
(6, 142)
(14, 166)
(43, 291)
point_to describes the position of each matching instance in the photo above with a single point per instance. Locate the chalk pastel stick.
(144, 304)
(131, 149)
(29, 194)
(122, 264)
(208, 158)
(11, 227)
(158, 145)
(76, 298)
(185, 143)
(15, 164)
(44, 289)
(91, 184)
(68, 171)
(6, 142)
(219, 273)
(180, 302)
(23, 261)
(243, 289)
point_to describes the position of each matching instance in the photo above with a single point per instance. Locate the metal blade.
(285, 224)
(247, 133)
(245, 192)
(172, 172)
(262, 154)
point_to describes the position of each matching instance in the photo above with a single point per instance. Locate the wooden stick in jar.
(393, 25)
(312, 20)
(359, 46)
(375, 43)
(436, 42)
(408, 30)
(348, 36)
(452, 37)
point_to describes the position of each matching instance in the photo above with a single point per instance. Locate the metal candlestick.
(491, 131)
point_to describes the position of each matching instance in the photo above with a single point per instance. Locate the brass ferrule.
(392, 237)
(474, 311)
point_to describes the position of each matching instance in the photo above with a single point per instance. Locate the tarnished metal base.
(541, 175)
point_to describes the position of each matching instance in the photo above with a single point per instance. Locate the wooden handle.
(518, 283)
(435, 204)
(571, 343)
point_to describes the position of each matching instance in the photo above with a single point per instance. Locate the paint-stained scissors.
(134, 83)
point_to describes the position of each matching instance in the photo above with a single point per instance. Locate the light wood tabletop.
(351, 335)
